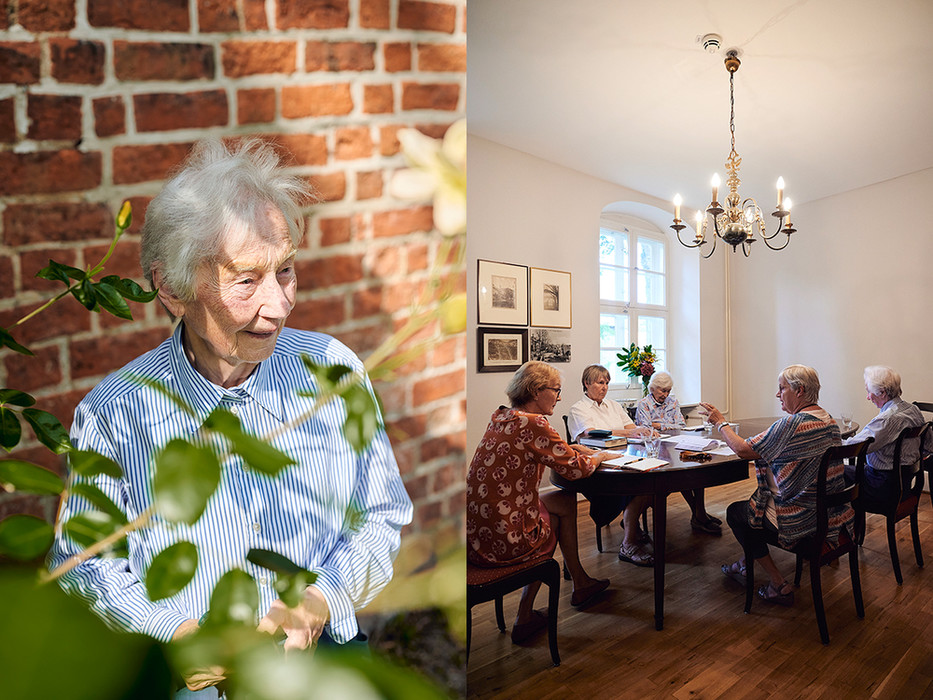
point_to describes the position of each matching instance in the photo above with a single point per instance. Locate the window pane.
(652, 331)
(650, 255)
(613, 247)
(608, 359)
(650, 288)
(613, 330)
(613, 283)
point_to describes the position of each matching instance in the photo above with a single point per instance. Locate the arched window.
(633, 295)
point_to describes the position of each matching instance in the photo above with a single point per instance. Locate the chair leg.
(500, 615)
(856, 583)
(816, 587)
(859, 527)
(892, 545)
(798, 570)
(469, 630)
(552, 604)
(749, 582)
(915, 535)
(599, 538)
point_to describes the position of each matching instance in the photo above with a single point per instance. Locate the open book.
(633, 462)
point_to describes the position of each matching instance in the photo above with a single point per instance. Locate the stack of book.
(602, 439)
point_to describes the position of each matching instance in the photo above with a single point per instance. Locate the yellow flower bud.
(125, 217)
(453, 314)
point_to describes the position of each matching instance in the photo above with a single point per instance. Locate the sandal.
(710, 527)
(526, 630)
(770, 594)
(586, 594)
(636, 555)
(736, 572)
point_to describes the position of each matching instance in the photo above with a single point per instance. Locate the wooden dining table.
(677, 475)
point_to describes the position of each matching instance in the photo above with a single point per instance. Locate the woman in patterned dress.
(508, 521)
(788, 454)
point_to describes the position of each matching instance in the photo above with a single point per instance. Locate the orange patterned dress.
(506, 521)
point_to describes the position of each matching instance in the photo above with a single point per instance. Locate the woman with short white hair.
(660, 409)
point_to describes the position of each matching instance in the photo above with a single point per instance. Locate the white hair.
(217, 185)
(883, 380)
(660, 380)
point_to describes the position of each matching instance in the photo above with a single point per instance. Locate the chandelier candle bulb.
(780, 188)
(787, 206)
(678, 200)
(715, 183)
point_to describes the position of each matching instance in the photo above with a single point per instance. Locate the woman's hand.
(603, 455)
(712, 413)
(582, 449)
(644, 431)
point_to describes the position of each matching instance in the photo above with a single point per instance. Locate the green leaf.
(84, 293)
(291, 587)
(362, 419)
(273, 561)
(48, 429)
(98, 498)
(10, 430)
(91, 526)
(171, 570)
(111, 300)
(129, 289)
(57, 271)
(16, 398)
(234, 601)
(258, 454)
(25, 537)
(6, 340)
(327, 377)
(185, 477)
(90, 464)
(16, 475)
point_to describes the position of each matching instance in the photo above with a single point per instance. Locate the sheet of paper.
(634, 462)
(696, 443)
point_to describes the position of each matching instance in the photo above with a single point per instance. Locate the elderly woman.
(660, 409)
(219, 243)
(883, 386)
(788, 454)
(508, 521)
(594, 412)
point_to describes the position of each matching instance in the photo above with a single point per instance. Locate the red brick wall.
(100, 99)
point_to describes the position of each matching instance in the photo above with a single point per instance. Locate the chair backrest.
(911, 480)
(924, 406)
(825, 501)
(570, 439)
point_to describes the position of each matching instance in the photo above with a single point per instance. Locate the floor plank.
(709, 648)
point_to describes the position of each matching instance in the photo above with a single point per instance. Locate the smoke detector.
(710, 42)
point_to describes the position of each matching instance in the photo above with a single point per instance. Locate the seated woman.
(508, 521)
(883, 386)
(593, 412)
(661, 410)
(788, 455)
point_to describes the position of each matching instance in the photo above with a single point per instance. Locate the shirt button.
(256, 527)
(263, 581)
(235, 410)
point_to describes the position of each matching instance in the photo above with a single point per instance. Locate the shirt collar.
(204, 396)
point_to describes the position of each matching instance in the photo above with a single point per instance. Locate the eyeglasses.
(555, 389)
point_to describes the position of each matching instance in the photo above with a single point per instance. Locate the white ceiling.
(832, 94)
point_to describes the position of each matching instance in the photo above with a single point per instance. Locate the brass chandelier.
(737, 223)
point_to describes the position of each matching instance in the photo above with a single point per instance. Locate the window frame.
(634, 309)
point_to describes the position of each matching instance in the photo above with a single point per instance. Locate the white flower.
(438, 169)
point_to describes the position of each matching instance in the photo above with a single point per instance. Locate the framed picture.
(502, 293)
(501, 349)
(550, 298)
(550, 345)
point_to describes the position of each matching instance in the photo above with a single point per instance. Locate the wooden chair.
(928, 459)
(816, 549)
(485, 584)
(904, 503)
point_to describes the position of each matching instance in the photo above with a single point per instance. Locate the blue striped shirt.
(303, 513)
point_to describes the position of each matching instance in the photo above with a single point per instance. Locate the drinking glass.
(846, 419)
(653, 446)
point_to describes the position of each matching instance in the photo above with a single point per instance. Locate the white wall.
(527, 211)
(854, 288)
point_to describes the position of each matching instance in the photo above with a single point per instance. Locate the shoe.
(736, 572)
(769, 594)
(714, 519)
(636, 555)
(708, 526)
(526, 630)
(588, 593)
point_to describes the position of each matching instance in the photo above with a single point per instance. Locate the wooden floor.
(709, 648)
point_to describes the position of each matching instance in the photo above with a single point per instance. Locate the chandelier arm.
(779, 215)
(711, 250)
(781, 247)
(677, 228)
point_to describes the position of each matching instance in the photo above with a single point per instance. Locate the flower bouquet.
(638, 362)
